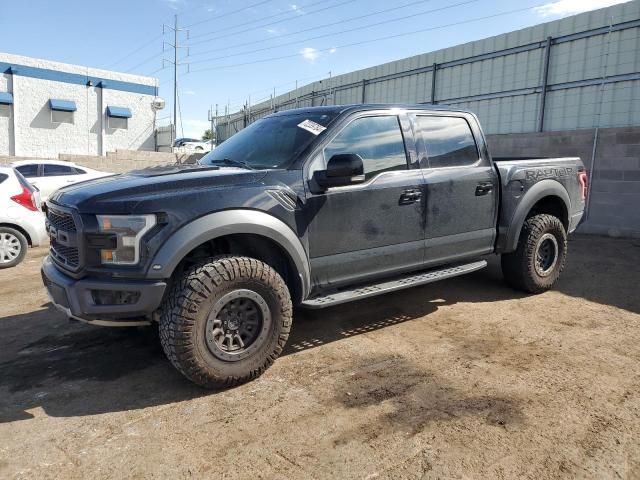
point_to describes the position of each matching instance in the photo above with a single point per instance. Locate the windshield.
(272, 142)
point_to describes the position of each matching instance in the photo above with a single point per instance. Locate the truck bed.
(520, 175)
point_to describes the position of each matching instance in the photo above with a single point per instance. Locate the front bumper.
(75, 299)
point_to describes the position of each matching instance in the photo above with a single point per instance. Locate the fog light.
(114, 297)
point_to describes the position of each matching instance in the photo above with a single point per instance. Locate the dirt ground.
(464, 378)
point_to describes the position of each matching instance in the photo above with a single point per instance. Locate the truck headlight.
(128, 229)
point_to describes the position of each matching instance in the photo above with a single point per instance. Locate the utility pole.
(175, 64)
(212, 119)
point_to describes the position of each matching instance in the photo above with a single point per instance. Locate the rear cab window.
(377, 140)
(448, 141)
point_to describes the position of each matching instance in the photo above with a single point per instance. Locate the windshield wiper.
(236, 163)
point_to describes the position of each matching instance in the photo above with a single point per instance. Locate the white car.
(198, 146)
(22, 223)
(50, 175)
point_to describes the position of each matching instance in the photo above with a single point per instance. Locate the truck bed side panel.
(525, 182)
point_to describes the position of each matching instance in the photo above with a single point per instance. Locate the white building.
(47, 108)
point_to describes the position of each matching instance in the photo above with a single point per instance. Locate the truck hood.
(133, 187)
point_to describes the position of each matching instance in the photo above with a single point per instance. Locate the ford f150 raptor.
(310, 207)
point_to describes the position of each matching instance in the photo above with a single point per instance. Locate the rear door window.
(448, 141)
(29, 170)
(52, 170)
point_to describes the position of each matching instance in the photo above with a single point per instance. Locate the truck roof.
(340, 109)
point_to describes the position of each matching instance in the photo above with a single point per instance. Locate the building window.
(118, 123)
(6, 100)
(62, 111)
(118, 117)
(58, 116)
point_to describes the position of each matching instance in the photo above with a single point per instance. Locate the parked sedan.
(22, 223)
(198, 146)
(50, 175)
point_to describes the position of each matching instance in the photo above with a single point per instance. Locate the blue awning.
(6, 98)
(118, 112)
(62, 105)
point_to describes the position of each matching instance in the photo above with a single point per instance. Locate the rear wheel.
(226, 321)
(13, 247)
(536, 264)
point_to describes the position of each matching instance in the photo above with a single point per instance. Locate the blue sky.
(233, 45)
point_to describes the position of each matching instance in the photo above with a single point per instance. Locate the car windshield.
(272, 142)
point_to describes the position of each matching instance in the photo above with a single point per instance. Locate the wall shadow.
(603, 270)
(43, 119)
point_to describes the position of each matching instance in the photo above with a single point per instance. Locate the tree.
(208, 135)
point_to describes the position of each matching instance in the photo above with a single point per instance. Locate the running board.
(365, 291)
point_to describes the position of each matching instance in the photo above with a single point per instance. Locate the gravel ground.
(464, 378)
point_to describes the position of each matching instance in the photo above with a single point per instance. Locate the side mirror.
(342, 169)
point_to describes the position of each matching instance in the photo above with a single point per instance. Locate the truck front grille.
(61, 220)
(68, 256)
(63, 233)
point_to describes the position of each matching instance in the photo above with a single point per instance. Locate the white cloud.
(333, 50)
(569, 7)
(309, 53)
(296, 8)
(173, 4)
(189, 92)
(273, 31)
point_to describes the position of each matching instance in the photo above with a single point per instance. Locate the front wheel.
(536, 264)
(225, 321)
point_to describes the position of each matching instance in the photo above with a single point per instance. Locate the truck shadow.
(76, 370)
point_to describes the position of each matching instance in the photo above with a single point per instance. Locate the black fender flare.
(229, 222)
(542, 189)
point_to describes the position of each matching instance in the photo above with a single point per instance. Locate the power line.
(295, 16)
(151, 58)
(145, 61)
(331, 24)
(217, 17)
(250, 22)
(364, 42)
(325, 35)
(146, 44)
(256, 92)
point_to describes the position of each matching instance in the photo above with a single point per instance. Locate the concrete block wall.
(120, 161)
(614, 203)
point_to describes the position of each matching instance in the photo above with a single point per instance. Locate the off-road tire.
(519, 267)
(22, 241)
(186, 308)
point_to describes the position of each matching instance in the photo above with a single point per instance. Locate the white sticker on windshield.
(312, 127)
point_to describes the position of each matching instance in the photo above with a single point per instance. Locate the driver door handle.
(410, 196)
(484, 188)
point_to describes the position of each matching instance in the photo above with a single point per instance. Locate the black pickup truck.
(308, 207)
